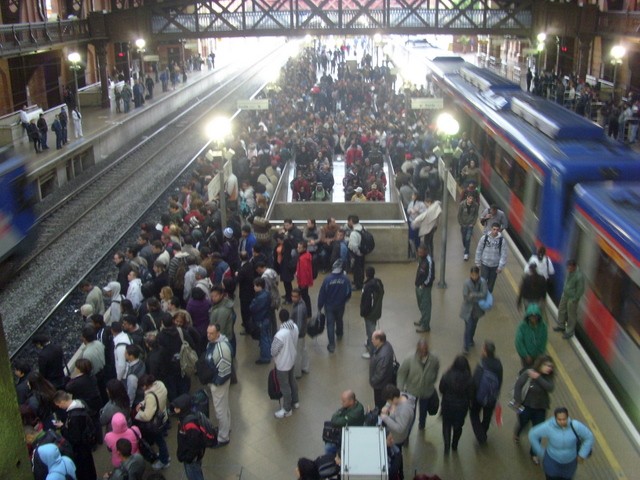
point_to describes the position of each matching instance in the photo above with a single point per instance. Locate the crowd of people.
(173, 299)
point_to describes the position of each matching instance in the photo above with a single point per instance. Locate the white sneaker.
(283, 413)
(466, 257)
(366, 355)
(158, 465)
(296, 405)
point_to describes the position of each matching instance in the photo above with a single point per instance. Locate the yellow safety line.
(584, 410)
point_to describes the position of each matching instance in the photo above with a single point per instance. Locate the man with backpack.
(355, 252)
(371, 306)
(132, 465)
(491, 255)
(80, 431)
(191, 442)
(487, 380)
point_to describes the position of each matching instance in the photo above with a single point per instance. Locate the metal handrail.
(24, 37)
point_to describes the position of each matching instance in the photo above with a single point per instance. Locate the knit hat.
(228, 232)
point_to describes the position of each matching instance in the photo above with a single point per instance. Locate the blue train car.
(604, 237)
(16, 208)
(532, 152)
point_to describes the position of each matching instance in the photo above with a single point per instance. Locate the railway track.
(122, 184)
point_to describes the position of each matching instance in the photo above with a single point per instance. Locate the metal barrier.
(25, 37)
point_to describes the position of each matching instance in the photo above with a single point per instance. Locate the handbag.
(156, 425)
(579, 441)
(433, 404)
(331, 433)
(145, 448)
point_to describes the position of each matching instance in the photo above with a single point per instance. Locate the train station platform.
(265, 448)
(105, 131)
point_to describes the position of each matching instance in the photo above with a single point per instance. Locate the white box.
(364, 454)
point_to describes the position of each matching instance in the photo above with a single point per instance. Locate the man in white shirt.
(120, 341)
(283, 351)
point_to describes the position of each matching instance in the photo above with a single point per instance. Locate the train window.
(502, 164)
(630, 315)
(537, 198)
(22, 193)
(488, 149)
(518, 180)
(619, 294)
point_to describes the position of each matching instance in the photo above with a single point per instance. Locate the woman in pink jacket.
(119, 429)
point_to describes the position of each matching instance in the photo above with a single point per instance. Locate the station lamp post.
(217, 130)
(377, 41)
(617, 53)
(542, 37)
(140, 44)
(447, 126)
(74, 58)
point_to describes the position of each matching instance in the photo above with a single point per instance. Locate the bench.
(11, 129)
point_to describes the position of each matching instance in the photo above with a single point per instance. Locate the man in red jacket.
(304, 274)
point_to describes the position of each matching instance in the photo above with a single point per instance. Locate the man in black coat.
(50, 359)
(124, 268)
(191, 446)
(170, 343)
(492, 364)
(245, 277)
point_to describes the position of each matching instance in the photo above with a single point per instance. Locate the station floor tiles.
(263, 447)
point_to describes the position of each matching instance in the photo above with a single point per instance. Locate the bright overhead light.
(218, 128)
(74, 57)
(447, 124)
(541, 37)
(618, 51)
(140, 43)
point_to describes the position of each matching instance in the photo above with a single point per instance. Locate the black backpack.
(367, 242)
(489, 388)
(87, 433)
(40, 470)
(327, 466)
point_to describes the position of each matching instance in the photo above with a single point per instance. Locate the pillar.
(101, 51)
(14, 461)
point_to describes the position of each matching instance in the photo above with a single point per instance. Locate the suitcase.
(364, 454)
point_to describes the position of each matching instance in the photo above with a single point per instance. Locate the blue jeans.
(163, 451)
(193, 470)
(466, 233)
(490, 274)
(265, 340)
(370, 327)
(470, 325)
(335, 325)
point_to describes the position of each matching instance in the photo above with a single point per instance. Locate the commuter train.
(604, 237)
(562, 183)
(16, 210)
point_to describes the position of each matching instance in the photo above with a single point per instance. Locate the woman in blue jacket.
(568, 442)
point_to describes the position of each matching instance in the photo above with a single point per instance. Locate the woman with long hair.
(531, 396)
(40, 398)
(456, 389)
(118, 403)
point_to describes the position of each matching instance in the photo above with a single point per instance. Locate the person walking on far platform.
(56, 126)
(474, 290)
(64, 122)
(571, 294)
(77, 122)
(424, 281)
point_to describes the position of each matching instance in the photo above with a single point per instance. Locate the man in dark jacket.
(424, 281)
(124, 268)
(371, 305)
(50, 360)
(170, 343)
(380, 366)
(334, 294)
(260, 308)
(43, 128)
(533, 288)
(245, 277)
(191, 446)
(493, 365)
